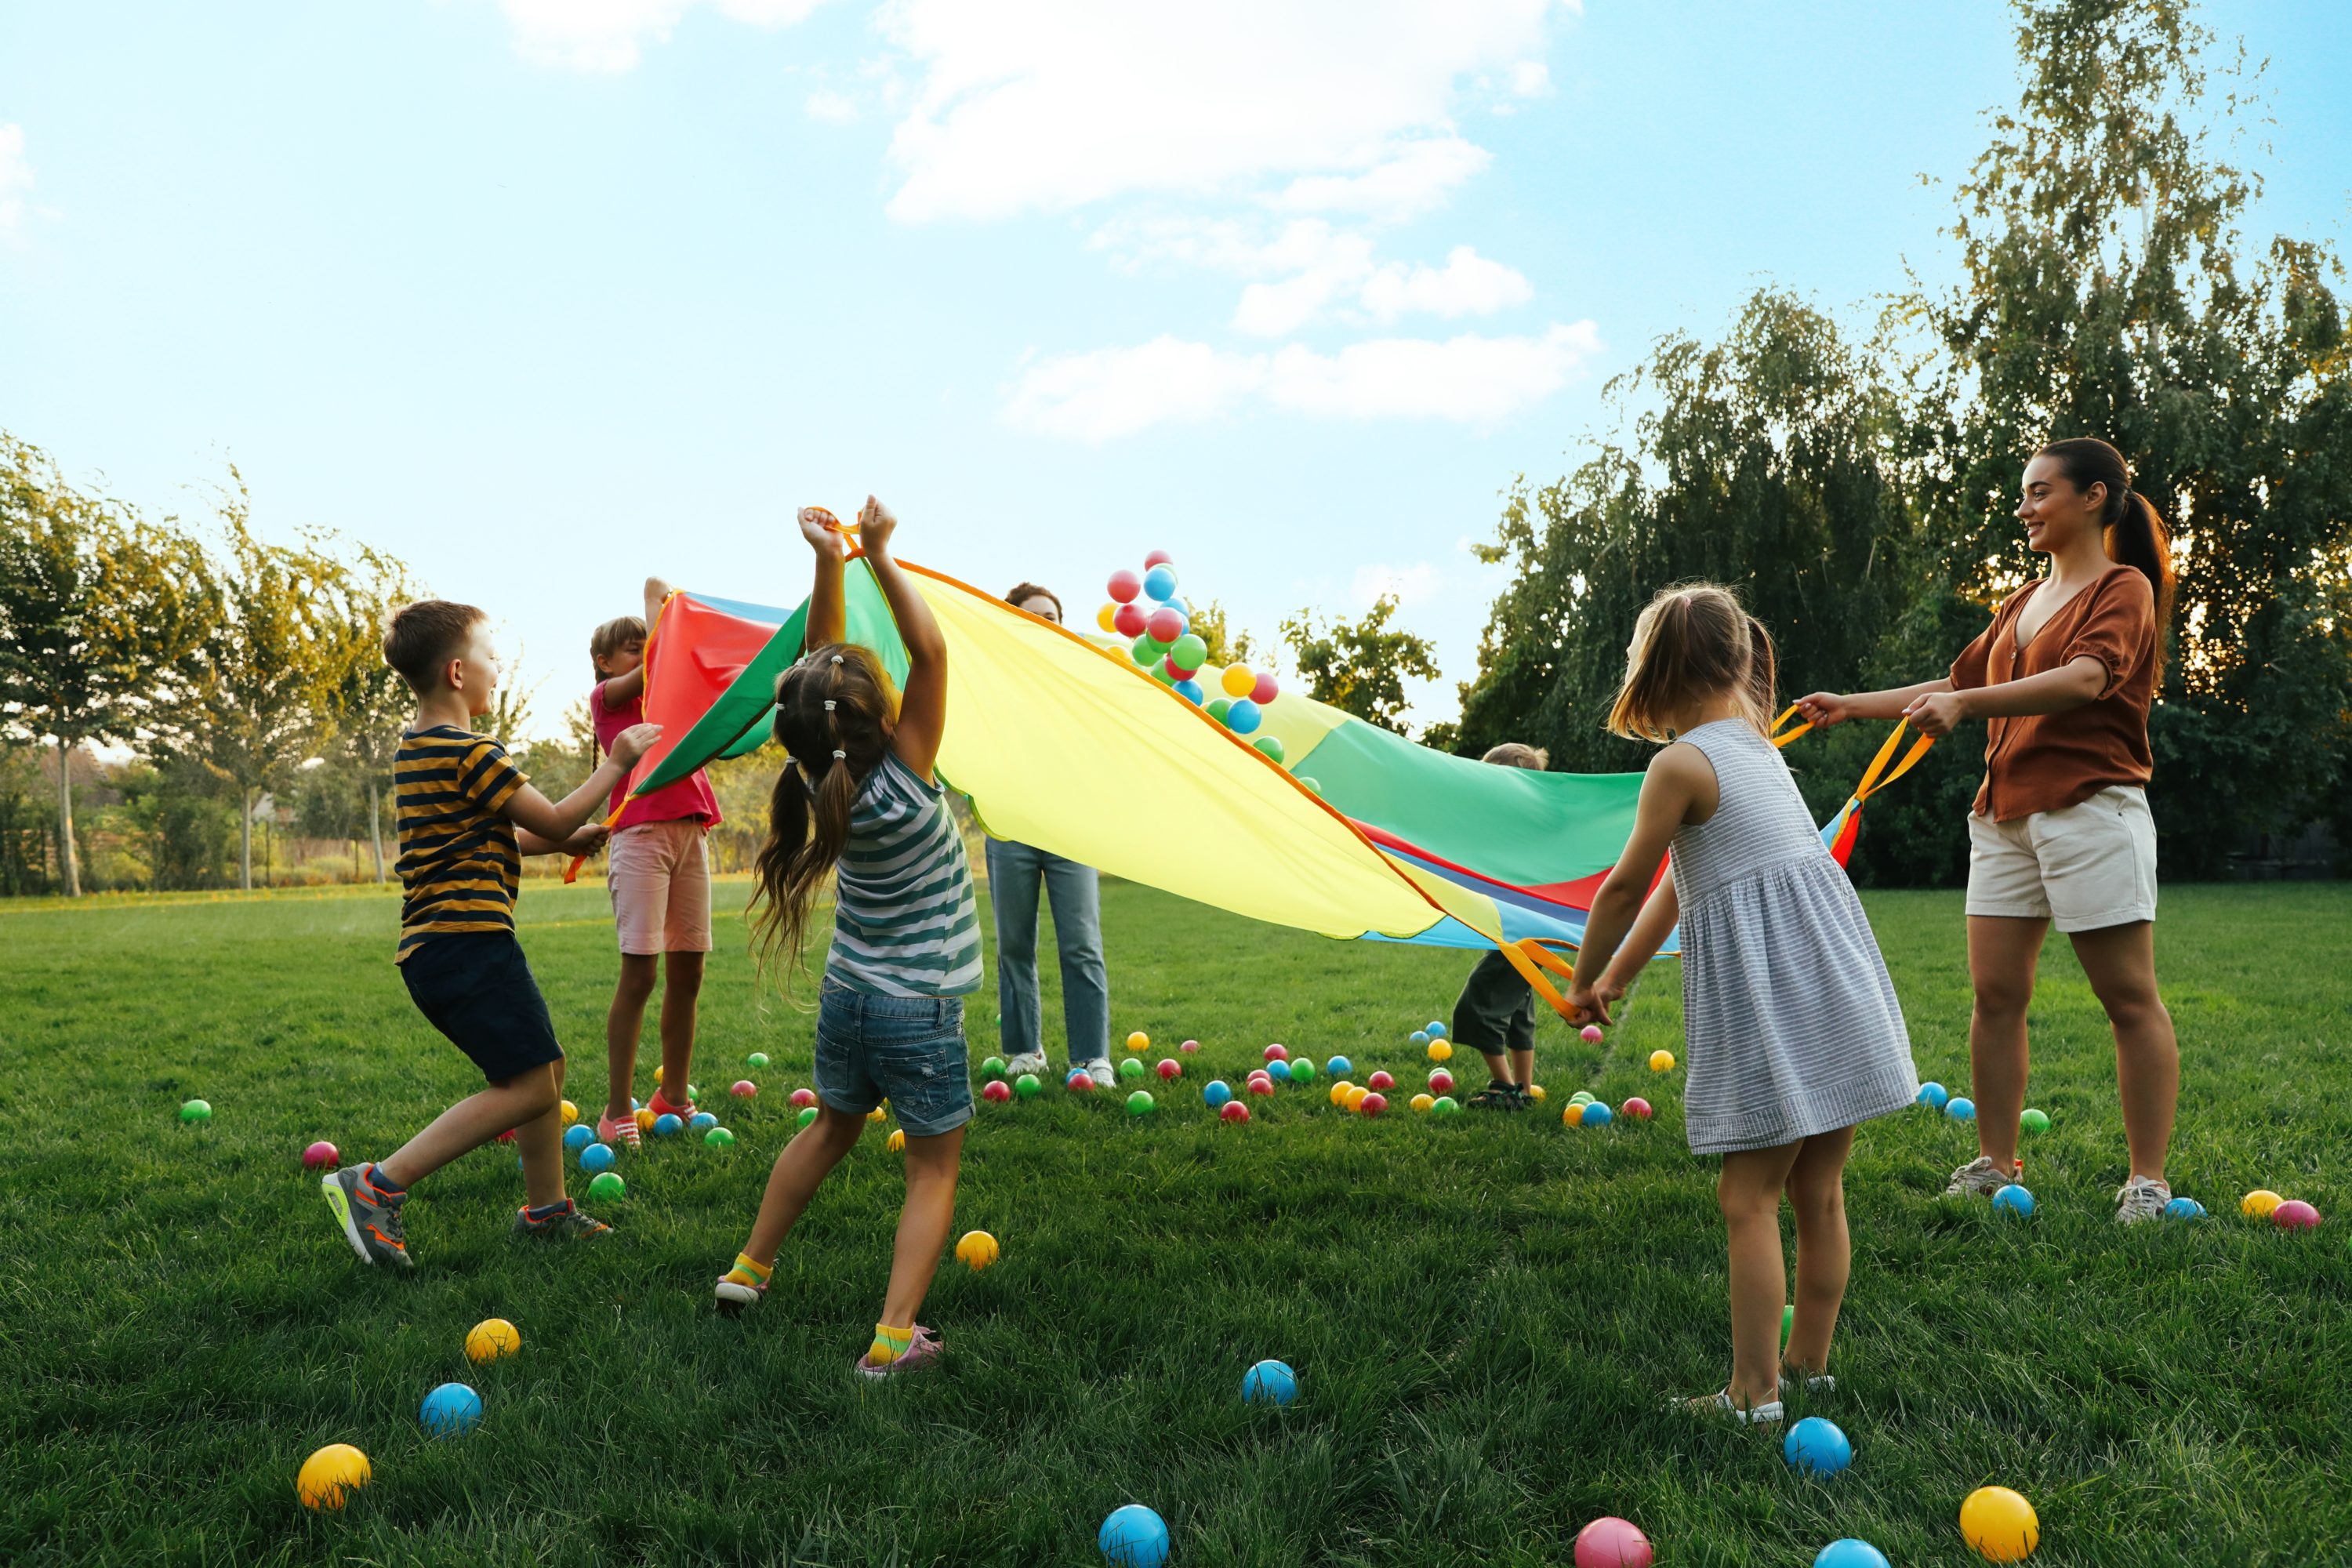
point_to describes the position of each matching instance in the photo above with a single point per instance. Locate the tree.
(1227, 644)
(368, 700)
(101, 616)
(1361, 667)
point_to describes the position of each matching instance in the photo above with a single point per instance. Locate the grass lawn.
(1485, 1315)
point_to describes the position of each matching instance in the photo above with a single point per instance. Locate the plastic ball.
(2000, 1524)
(877, 1113)
(993, 1067)
(2259, 1203)
(1128, 620)
(608, 1188)
(328, 1477)
(490, 1339)
(645, 1120)
(1216, 1092)
(1536, 1092)
(1420, 1037)
(1269, 1382)
(1381, 1082)
(1138, 1041)
(1133, 1537)
(1146, 653)
(719, 1137)
(1158, 558)
(1238, 681)
(1421, 1101)
(2184, 1208)
(1817, 1447)
(1339, 1090)
(1960, 1108)
(1131, 1067)
(1787, 1323)
(743, 1089)
(666, 1125)
(1277, 1053)
(1140, 1103)
(1662, 1061)
(1440, 1082)
(1026, 1086)
(1234, 1110)
(1278, 1071)
(1215, 708)
(807, 1114)
(1190, 1047)
(1164, 626)
(2295, 1214)
(1190, 690)
(1581, 1096)
(2033, 1121)
(201, 1110)
(1598, 1115)
(996, 1091)
(1265, 688)
(1446, 1105)
(756, 1059)
(1339, 1067)
(1124, 587)
(1168, 1068)
(451, 1409)
(1589, 1034)
(1611, 1542)
(1108, 618)
(977, 1249)
(1302, 1069)
(1637, 1108)
(897, 1142)
(1850, 1554)
(2014, 1199)
(1243, 716)
(1160, 582)
(1190, 652)
(596, 1157)
(1436, 1028)
(571, 1112)
(1272, 746)
(1355, 1097)
(1370, 1105)
(1259, 1084)
(322, 1156)
(1079, 1081)
(1932, 1095)
(1308, 783)
(576, 1137)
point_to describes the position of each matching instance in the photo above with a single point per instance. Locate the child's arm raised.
(1679, 778)
(828, 614)
(625, 689)
(923, 706)
(553, 823)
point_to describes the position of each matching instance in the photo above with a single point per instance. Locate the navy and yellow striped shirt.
(459, 861)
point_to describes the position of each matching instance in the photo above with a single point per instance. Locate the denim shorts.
(908, 1050)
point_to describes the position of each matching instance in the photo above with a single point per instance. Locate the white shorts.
(2084, 868)
(660, 879)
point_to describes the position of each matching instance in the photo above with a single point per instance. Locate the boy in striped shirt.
(466, 816)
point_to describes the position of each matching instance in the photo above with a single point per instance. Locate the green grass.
(1485, 1314)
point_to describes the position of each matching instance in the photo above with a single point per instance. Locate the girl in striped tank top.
(1790, 1022)
(857, 801)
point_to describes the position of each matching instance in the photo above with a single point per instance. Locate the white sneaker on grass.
(1815, 1385)
(1027, 1061)
(1719, 1404)
(2142, 1198)
(1981, 1177)
(1100, 1070)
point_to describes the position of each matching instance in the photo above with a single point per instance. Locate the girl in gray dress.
(1794, 1032)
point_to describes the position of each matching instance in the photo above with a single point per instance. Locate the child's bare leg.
(522, 1101)
(923, 1223)
(1523, 1067)
(540, 1142)
(806, 1161)
(623, 1024)
(681, 992)
(1824, 1256)
(1749, 1192)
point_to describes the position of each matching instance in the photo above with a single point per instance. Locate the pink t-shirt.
(689, 797)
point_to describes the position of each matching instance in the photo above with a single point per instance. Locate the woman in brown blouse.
(2061, 831)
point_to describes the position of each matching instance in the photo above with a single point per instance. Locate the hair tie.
(841, 755)
(828, 704)
(836, 658)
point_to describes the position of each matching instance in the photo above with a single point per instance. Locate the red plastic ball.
(1592, 1033)
(1190, 1047)
(1128, 620)
(1277, 1053)
(2295, 1214)
(319, 1155)
(1266, 690)
(1080, 1081)
(1234, 1110)
(507, 1136)
(1382, 1082)
(1158, 558)
(1126, 585)
(1165, 624)
(1638, 1108)
(1611, 1542)
(803, 1098)
(743, 1089)
(1261, 1086)
(1374, 1104)
(1168, 1067)
(996, 1091)
(1441, 1081)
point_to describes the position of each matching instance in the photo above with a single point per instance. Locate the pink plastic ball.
(743, 1089)
(2295, 1214)
(1441, 1081)
(1592, 1032)
(1381, 1081)
(1168, 1067)
(1638, 1108)
(1080, 1081)
(1190, 1047)
(1158, 558)
(803, 1098)
(1261, 1086)
(1165, 624)
(1374, 1104)
(1234, 1110)
(1611, 1542)
(1126, 585)
(996, 1091)
(1265, 690)
(1277, 1053)
(319, 1156)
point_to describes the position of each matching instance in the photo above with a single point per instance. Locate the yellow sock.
(888, 1345)
(747, 1272)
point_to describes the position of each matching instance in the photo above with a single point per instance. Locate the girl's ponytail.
(2134, 532)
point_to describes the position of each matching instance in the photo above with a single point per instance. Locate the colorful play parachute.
(1068, 745)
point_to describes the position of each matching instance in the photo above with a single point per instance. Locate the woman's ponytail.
(2134, 530)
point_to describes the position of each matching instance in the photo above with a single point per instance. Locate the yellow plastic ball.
(2258, 1203)
(1340, 1092)
(1421, 1102)
(1662, 1061)
(1108, 618)
(2000, 1524)
(1441, 1051)
(490, 1339)
(570, 1113)
(1572, 1114)
(1356, 1096)
(328, 1477)
(1138, 1041)
(657, 1074)
(644, 1119)
(977, 1250)
(1536, 1092)
(1238, 681)
(897, 1140)
(877, 1114)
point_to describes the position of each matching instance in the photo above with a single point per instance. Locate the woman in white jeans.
(2060, 830)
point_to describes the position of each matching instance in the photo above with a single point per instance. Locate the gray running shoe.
(1100, 1070)
(2142, 1198)
(1027, 1061)
(370, 1217)
(568, 1225)
(1980, 1176)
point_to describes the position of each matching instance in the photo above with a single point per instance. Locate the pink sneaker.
(660, 1106)
(624, 1131)
(923, 1351)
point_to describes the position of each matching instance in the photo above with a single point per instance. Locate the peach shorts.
(660, 878)
(2084, 868)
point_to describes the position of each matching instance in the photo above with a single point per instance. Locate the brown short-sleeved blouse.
(2050, 761)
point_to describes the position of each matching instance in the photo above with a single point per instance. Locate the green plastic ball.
(719, 1138)
(1446, 1105)
(1787, 1321)
(196, 1110)
(1140, 1103)
(1130, 1067)
(1271, 745)
(1581, 1096)
(1309, 782)
(757, 1059)
(2034, 1121)
(1026, 1086)
(1302, 1069)
(993, 1067)
(1218, 706)
(608, 1186)
(807, 1115)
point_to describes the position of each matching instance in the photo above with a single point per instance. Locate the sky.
(543, 296)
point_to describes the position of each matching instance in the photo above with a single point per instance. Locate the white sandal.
(1719, 1404)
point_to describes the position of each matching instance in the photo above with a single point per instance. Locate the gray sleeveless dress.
(1792, 1022)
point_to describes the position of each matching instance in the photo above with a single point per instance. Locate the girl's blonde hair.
(1693, 642)
(835, 712)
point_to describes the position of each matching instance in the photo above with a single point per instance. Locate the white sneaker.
(1980, 1176)
(2142, 1198)
(1101, 1071)
(1816, 1386)
(1764, 1415)
(1027, 1061)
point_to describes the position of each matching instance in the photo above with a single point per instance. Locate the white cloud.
(1101, 394)
(1047, 105)
(1410, 584)
(15, 179)
(1468, 285)
(1531, 78)
(833, 108)
(608, 35)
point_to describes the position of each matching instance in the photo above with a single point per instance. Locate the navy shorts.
(476, 987)
(908, 1050)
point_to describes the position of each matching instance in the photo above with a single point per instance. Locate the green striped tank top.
(905, 923)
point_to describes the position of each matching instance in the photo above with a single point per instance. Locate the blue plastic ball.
(2014, 1199)
(450, 1410)
(1421, 1036)
(1960, 1109)
(1243, 716)
(578, 1136)
(1598, 1115)
(1216, 1092)
(1160, 581)
(1437, 1028)
(1817, 1445)
(1850, 1554)
(1278, 1070)
(2184, 1208)
(1269, 1382)
(636, 1104)
(701, 1122)
(666, 1125)
(1191, 691)
(1133, 1537)
(1339, 1067)
(1932, 1095)
(596, 1157)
